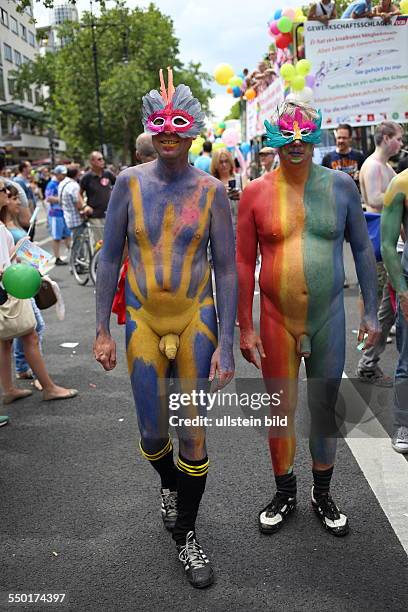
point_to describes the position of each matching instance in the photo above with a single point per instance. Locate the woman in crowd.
(11, 393)
(223, 168)
(9, 216)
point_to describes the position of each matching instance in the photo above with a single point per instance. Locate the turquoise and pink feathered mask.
(289, 128)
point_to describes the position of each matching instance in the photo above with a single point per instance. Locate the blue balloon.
(245, 148)
(278, 14)
(236, 91)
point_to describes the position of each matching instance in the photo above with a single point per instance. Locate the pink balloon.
(230, 137)
(289, 12)
(273, 28)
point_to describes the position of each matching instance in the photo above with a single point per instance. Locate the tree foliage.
(131, 48)
(235, 112)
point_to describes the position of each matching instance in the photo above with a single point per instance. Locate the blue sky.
(212, 32)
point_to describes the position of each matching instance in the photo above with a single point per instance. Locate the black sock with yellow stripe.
(163, 463)
(191, 479)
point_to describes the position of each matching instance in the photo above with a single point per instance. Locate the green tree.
(131, 48)
(235, 112)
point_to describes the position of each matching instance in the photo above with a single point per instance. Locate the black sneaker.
(329, 514)
(60, 262)
(196, 565)
(271, 518)
(169, 508)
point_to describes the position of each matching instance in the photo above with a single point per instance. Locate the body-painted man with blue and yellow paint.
(168, 211)
(298, 214)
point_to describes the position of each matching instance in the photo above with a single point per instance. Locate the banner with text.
(360, 68)
(263, 107)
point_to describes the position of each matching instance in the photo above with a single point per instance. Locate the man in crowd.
(395, 214)
(203, 161)
(358, 10)
(96, 185)
(299, 215)
(70, 200)
(168, 211)
(375, 176)
(267, 158)
(56, 222)
(23, 180)
(145, 151)
(25, 212)
(344, 158)
(323, 11)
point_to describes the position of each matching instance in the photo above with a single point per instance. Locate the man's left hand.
(223, 367)
(372, 329)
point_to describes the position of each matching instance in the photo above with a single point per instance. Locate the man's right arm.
(247, 245)
(111, 254)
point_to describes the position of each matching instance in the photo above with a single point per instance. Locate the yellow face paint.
(296, 131)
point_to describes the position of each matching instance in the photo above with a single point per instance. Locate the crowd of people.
(232, 220)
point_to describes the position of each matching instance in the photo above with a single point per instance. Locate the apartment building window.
(8, 53)
(31, 38)
(29, 94)
(13, 25)
(11, 87)
(4, 17)
(37, 97)
(25, 59)
(17, 58)
(23, 30)
(2, 88)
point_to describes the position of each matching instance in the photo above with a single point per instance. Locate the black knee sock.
(321, 480)
(286, 484)
(191, 479)
(163, 463)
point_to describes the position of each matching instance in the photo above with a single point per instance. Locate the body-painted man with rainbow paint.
(298, 214)
(168, 211)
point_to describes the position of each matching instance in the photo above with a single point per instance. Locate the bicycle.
(82, 253)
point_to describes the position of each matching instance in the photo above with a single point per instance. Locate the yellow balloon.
(223, 73)
(218, 145)
(404, 7)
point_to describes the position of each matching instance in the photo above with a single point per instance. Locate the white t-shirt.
(6, 246)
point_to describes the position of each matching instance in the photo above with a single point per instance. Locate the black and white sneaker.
(335, 521)
(169, 508)
(196, 564)
(271, 518)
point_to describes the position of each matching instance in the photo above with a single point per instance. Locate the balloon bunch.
(281, 24)
(404, 7)
(224, 75)
(297, 77)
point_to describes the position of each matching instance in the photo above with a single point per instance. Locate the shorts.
(58, 228)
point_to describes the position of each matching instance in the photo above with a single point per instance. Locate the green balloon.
(21, 281)
(284, 25)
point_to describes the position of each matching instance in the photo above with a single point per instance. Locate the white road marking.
(385, 470)
(44, 241)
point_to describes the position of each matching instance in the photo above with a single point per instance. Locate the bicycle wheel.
(81, 260)
(94, 266)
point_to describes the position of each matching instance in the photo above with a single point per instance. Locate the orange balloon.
(229, 89)
(250, 94)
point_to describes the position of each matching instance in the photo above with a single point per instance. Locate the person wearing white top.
(11, 393)
(322, 11)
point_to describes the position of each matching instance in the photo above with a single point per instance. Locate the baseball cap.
(60, 169)
(266, 151)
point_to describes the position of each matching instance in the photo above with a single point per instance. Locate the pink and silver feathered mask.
(172, 110)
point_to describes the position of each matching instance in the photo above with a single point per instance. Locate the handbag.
(46, 296)
(16, 318)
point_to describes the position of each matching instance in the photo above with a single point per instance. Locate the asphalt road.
(80, 506)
